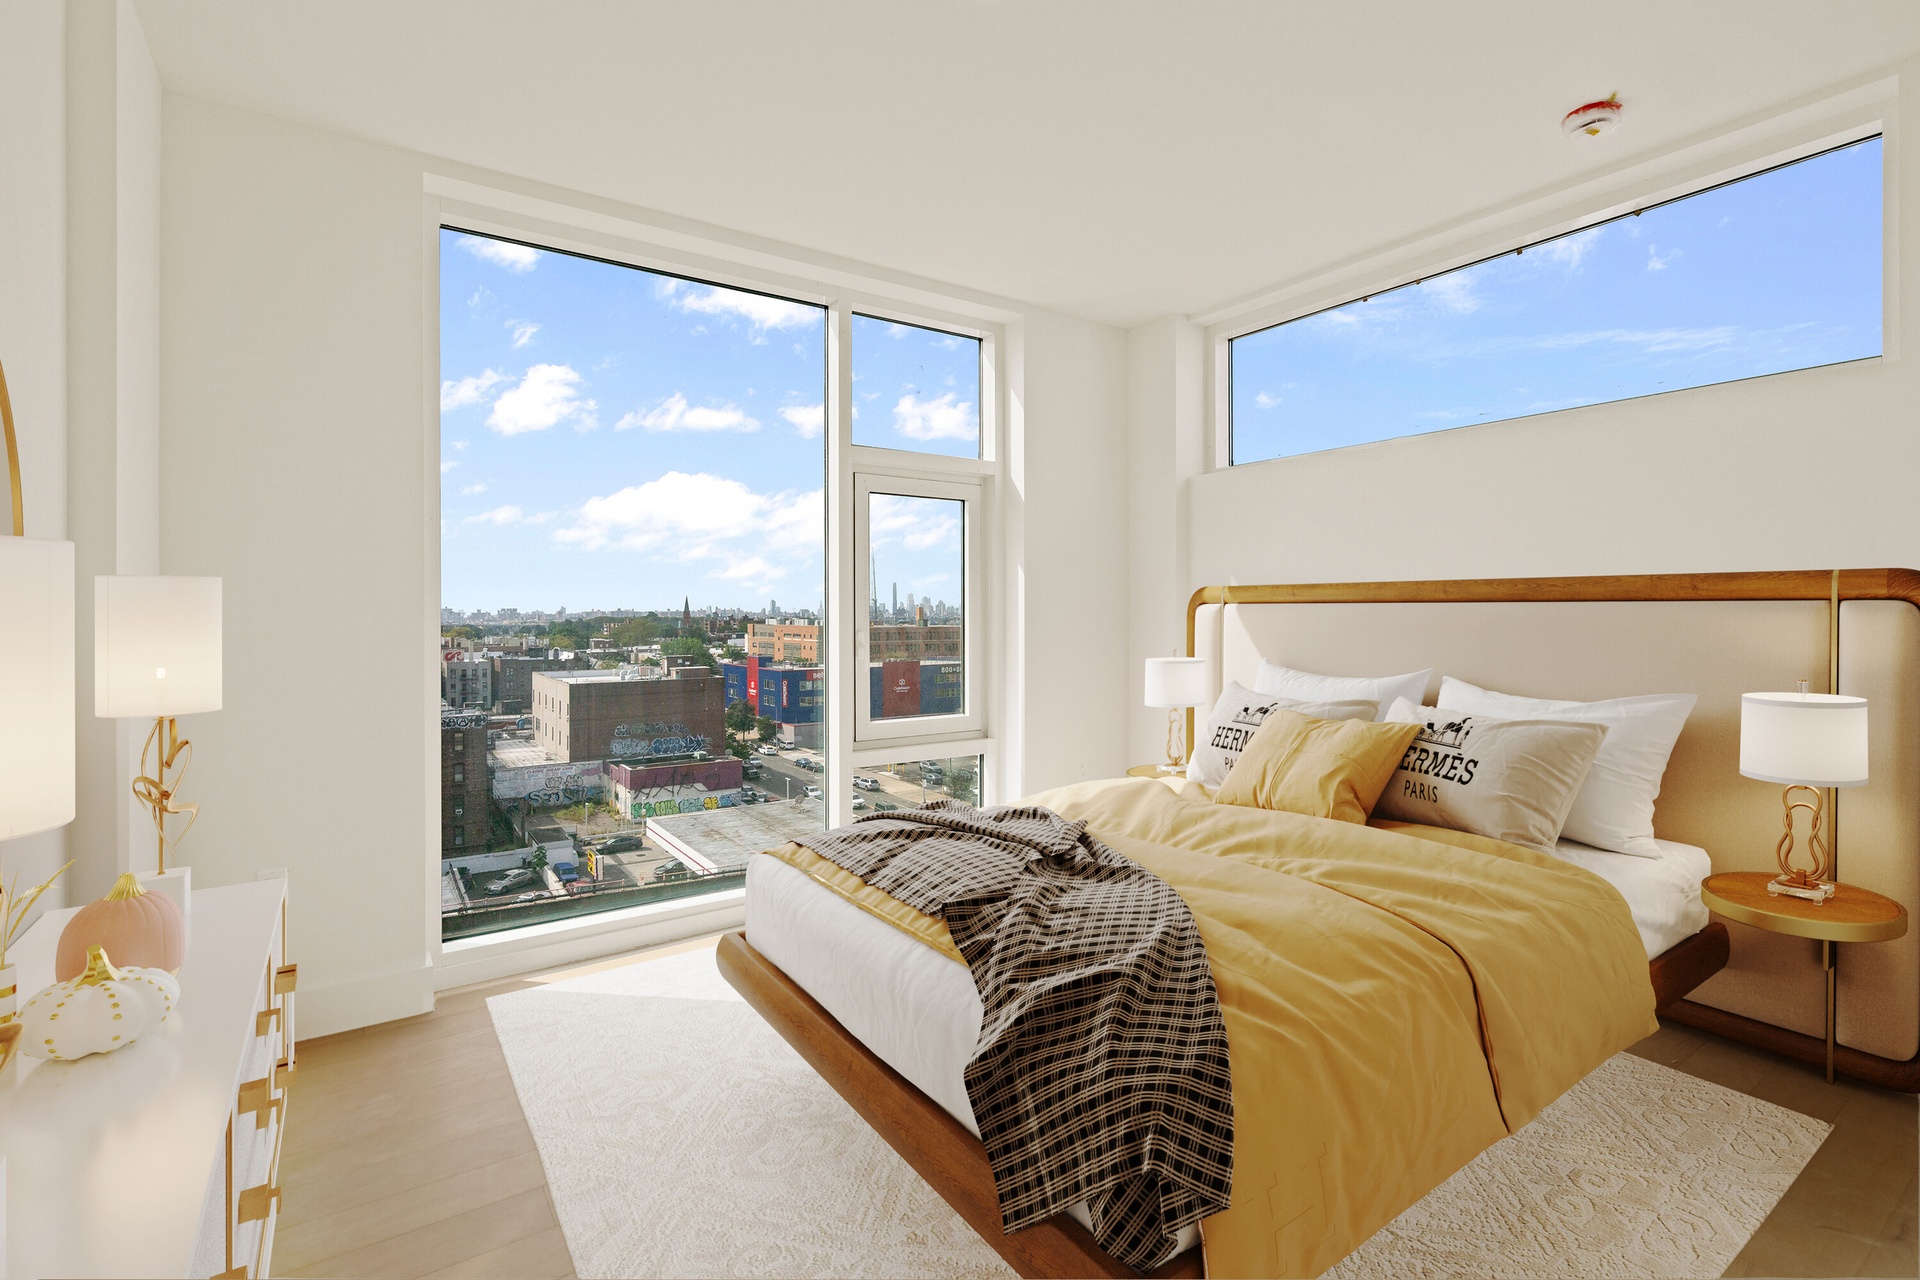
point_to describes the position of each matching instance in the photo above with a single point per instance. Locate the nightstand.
(1852, 914)
(1156, 771)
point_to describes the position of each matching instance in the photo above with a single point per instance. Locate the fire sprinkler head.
(1592, 119)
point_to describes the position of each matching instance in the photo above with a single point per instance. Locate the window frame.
(869, 732)
(1677, 174)
(623, 236)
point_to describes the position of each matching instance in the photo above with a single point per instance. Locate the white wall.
(291, 466)
(294, 289)
(33, 328)
(1073, 629)
(1810, 469)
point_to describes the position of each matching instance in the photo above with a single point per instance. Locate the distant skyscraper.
(896, 599)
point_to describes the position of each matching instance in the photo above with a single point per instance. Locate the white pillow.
(1513, 780)
(1614, 809)
(1238, 713)
(1285, 682)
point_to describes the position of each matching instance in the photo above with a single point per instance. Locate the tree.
(633, 631)
(734, 653)
(539, 860)
(739, 715)
(461, 633)
(692, 648)
(766, 728)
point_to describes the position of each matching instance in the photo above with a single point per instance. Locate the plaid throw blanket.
(1101, 1073)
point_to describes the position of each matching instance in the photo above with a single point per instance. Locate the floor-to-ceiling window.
(633, 581)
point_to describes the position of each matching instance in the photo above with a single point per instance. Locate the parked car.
(859, 801)
(530, 897)
(865, 783)
(623, 844)
(769, 750)
(671, 870)
(508, 881)
(566, 872)
(813, 793)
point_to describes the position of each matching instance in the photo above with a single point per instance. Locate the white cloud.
(474, 489)
(918, 524)
(754, 567)
(808, 419)
(509, 515)
(1453, 291)
(523, 331)
(545, 397)
(1266, 401)
(673, 414)
(1657, 261)
(447, 465)
(517, 258)
(469, 390)
(700, 516)
(943, 419)
(1571, 251)
(756, 308)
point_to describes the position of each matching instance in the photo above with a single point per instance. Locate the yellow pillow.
(1322, 768)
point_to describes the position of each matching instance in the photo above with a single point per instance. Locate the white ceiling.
(1118, 161)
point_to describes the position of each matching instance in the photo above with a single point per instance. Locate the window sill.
(560, 942)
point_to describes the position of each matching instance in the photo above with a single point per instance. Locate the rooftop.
(518, 751)
(724, 839)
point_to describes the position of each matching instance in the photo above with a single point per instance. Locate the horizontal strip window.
(1778, 271)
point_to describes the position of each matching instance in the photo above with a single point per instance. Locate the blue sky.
(612, 437)
(1780, 271)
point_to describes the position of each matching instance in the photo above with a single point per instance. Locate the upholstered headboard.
(1714, 635)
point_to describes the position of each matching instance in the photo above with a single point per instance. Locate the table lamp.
(156, 653)
(1805, 741)
(36, 661)
(1176, 684)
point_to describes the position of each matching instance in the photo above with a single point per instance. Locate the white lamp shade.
(1176, 682)
(36, 663)
(1804, 739)
(156, 646)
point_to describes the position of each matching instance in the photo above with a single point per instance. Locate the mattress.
(1663, 893)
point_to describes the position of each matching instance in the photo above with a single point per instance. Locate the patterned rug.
(682, 1137)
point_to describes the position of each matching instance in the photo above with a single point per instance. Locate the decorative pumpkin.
(143, 929)
(101, 1010)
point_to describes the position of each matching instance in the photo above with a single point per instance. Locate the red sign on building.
(900, 688)
(753, 683)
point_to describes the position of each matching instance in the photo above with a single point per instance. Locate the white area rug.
(682, 1137)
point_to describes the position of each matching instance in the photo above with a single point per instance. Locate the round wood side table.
(1852, 914)
(1156, 771)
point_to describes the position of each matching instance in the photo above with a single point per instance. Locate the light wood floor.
(407, 1155)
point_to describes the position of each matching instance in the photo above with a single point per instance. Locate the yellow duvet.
(1396, 1000)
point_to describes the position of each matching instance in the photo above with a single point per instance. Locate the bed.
(889, 1019)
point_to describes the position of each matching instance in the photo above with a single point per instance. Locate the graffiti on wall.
(551, 784)
(692, 804)
(463, 720)
(644, 740)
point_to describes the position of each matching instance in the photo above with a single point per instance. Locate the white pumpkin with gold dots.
(101, 1010)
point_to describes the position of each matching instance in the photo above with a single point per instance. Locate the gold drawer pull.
(263, 1020)
(257, 1096)
(285, 978)
(258, 1202)
(283, 1075)
(238, 1273)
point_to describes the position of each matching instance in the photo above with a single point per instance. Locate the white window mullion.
(846, 601)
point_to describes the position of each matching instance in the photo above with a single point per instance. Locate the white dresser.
(160, 1159)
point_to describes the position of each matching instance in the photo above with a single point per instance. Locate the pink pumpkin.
(133, 926)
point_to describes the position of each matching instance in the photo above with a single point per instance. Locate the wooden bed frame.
(955, 1163)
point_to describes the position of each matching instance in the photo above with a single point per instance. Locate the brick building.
(467, 682)
(464, 821)
(612, 715)
(513, 679)
(799, 643)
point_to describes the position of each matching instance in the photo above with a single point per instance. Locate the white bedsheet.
(1663, 893)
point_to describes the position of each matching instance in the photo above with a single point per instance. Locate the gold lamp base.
(157, 791)
(1810, 883)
